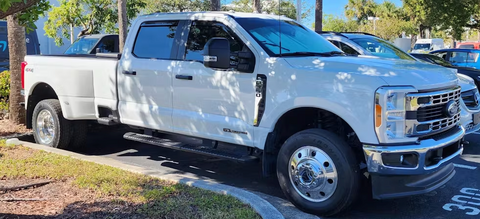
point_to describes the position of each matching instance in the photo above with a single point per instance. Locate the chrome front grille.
(471, 99)
(427, 113)
(430, 112)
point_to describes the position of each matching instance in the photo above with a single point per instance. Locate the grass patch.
(154, 198)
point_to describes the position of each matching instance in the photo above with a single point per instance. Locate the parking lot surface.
(459, 198)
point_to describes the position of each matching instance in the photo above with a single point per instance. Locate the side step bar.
(106, 121)
(204, 150)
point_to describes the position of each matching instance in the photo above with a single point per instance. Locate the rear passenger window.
(155, 40)
(347, 49)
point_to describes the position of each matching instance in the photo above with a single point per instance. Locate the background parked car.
(468, 45)
(471, 72)
(365, 44)
(88, 44)
(33, 47)
(460, 57)
(427, 45)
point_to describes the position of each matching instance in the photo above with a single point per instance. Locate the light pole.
(374, 23)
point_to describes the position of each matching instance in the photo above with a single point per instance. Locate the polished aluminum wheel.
(313, 174)
(45, 127)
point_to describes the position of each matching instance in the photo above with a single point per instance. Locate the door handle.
(184, 77)
(129, 72)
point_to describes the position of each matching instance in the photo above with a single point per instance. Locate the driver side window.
(201, 32)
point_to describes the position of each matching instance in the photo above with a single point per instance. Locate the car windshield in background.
(467, 46)
(439, 61)
(381, 48)
(422, 46)
(295, 39)
(82, 46)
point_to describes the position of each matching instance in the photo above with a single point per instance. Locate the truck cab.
(319, 120)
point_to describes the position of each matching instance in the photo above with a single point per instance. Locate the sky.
(334, 7)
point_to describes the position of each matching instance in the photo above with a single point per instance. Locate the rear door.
(145, 75)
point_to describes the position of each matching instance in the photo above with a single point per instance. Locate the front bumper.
(419, 168)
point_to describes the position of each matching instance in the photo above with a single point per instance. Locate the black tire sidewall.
(49, 106)
(345, 164)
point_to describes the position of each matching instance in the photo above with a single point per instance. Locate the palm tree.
(215, 5)
(257, 7)
(122, 23)
(318, 15)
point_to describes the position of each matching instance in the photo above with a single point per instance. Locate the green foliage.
(4, 89)
(92, 16)
(287, 8)
(28, 17)
(337, 24)
(176, 5)
(360, 10)
(5, 4)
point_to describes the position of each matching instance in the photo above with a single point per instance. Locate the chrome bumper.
(373, 155)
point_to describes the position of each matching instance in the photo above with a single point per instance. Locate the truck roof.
(189, 15)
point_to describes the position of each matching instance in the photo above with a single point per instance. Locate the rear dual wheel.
(52, 129)
(318, 172)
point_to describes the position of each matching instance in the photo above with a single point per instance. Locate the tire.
(78, 134)
(330, 195)
(62, 128)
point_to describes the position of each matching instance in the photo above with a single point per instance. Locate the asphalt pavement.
(459, 198)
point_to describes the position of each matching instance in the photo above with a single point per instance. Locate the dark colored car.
(471, 72)
(460, 57)
(33, 46)
(89, 44)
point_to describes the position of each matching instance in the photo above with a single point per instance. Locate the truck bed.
(91, 81)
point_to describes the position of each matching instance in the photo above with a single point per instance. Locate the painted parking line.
(465, 166)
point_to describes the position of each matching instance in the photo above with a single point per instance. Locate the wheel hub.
(309, 174)
(313, 174)
(45, 127)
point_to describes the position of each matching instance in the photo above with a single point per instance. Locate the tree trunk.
(318, 15)
(17, 50)
(215, 5)
(17, 7)
(122, 23)
(257, 6)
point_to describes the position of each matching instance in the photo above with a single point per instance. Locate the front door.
(145, 76)
(208, 103)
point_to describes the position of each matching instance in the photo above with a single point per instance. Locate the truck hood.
(393, 72)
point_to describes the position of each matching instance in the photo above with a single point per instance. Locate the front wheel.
(318, 172)
(49, 126)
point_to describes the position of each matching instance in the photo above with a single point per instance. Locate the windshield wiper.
(324, 54)
(273, 44)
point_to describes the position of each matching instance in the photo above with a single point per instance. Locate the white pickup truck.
(321, 121)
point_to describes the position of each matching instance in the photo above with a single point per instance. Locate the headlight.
(390, 113)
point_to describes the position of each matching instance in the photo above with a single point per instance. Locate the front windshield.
(295, 39)
(382, 48)
(82, 46)
(439, 61)
(422, 46)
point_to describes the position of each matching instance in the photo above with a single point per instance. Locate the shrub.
(4, 90)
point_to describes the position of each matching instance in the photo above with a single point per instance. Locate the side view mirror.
(217, 53)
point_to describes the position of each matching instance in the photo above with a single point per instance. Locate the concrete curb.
(260, 205)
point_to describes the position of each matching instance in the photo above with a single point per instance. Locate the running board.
(204, 150)
(107, 121)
